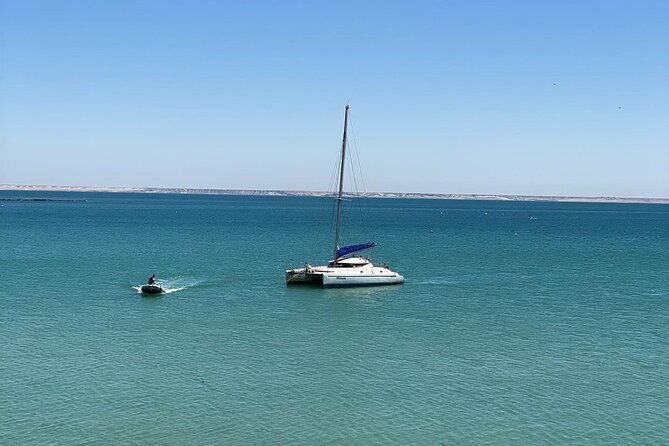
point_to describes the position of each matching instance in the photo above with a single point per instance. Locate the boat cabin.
(350, 262)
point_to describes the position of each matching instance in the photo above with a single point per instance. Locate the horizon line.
(282, 192)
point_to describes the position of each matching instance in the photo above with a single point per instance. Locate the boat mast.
(341, 185)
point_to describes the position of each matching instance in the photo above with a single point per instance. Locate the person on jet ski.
(152, 280)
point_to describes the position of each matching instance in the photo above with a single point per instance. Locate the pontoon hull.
(300, 277)
(152, 289)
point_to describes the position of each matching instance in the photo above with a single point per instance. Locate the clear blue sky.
(524, 97)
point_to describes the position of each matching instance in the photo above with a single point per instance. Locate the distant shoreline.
(411, 195)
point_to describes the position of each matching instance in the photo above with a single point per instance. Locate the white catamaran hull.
(342, 280)
(327, 276)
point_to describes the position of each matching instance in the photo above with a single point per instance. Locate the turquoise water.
(519, 323)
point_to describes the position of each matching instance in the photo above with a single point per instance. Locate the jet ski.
(153, 288)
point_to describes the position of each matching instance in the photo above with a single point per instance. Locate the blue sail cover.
(353, 248)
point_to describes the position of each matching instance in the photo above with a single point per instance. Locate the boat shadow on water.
(367, 295)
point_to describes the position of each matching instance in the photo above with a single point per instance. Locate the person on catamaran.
(152, 280)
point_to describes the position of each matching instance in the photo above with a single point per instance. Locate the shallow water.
(519, 323)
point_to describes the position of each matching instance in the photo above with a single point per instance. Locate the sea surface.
(519, 323)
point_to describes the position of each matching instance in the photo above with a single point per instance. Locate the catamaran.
(345, 269)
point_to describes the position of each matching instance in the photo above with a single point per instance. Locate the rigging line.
(335, 174)
(358, 196)
(331, 191)
(357, 155)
